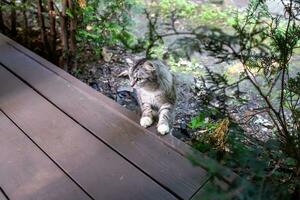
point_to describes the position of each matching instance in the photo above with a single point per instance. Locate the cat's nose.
(132, 83)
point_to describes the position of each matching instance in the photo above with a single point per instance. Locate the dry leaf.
(82, 3)
(219, 134)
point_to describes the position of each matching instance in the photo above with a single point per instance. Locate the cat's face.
(142, 74)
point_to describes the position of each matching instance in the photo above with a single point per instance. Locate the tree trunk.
(42, 27)
(73, 24)
(64, 35)
(53, 34)
(26, 31)
(2, 26)
(13, 19)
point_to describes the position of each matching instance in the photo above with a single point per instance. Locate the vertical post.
(53, 35)
(2, 26)
(73, 24)
(64, 34)
(26, 32)
(13, 19)
(42, 26)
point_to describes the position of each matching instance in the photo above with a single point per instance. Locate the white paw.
(163, 129)
(146, 121)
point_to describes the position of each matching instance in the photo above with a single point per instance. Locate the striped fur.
(156, 92)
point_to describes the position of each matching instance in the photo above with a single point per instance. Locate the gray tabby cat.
(156, 92)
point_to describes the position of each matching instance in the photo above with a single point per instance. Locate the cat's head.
(142, 74)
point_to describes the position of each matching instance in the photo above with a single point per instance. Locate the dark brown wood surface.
(151, 156)
(26, 173)
(2, 195)
(98, 169)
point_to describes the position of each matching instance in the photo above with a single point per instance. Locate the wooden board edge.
(3, 195)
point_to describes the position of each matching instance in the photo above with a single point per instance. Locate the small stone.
(95, 86)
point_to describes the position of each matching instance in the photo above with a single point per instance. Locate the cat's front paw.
(163, 129)
(146, 121)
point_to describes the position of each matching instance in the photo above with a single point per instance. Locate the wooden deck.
(60, 139)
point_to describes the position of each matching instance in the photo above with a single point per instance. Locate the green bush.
(106, 23)
(264, 44)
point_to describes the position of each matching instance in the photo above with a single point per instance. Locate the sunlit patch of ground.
(235, 69)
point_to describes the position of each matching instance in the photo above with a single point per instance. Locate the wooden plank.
(208, 192)
(26, 173)
(121, 133)
(99, 170)
(200, 159)
(2, 195)
(218, 189)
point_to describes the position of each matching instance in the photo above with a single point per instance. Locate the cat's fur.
(156, 92)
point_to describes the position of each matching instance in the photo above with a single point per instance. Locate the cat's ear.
(129, 62)
(149, 66)
(124, 73)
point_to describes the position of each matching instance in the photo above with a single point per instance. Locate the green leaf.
(290, 161)
(197, 122)
(69, 13)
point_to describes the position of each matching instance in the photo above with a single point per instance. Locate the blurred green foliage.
(106, 23)
(192, 13)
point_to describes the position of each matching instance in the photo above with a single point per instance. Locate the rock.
(106, 54)
(126, 96)
(95, 86)
(125, 88)
(93, 70)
